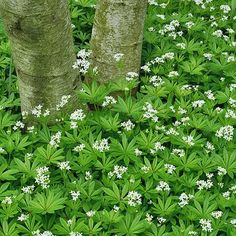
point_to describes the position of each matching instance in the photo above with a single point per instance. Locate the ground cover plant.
(161, 163)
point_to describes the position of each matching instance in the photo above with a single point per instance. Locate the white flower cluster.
(28, 189)
(232, 102)
(209, 147)
(118, 56)
(101, 145)
(221, 171)
(65, 165)
(230, 114)
(82, 62)
(128, 125)
(184, 199)
(233, 222)
(217, 214)
(134, 198)
(7, 200)
(75, 195)
(76, 116)
(64, 100)
(153, 2)
(158, 60)
(206, 225)
(156, 81)
(163, 186)
(219, 34)
(225, 8)
(131, 76)
(150, 112)
(178, 152)
(90, 213)
(23, 217)
(173, 74)
(118, 171)
(75, 234)
(157, 147)
(149, 218)
(55, 139)
(210, 95)
(170, 168)
(109, 100)
(42, 177)
(19, 125)
(225, 132)
(79, 148)
(204, 184)
(189, 140)
(198, 103)
(88, 175)
(171, 28)
(45, 233)
(208, 56)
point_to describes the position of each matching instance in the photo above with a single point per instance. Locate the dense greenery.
(162, 163)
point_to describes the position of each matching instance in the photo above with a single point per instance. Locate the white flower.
(23, 217)
(109, 100)
(233, 222)
(156, 81)
(18, 124)
(64, 100)
(184, 199)
(202, 184)
(82, 62)
(101, 145)
(150, 112)
(209, 95)
(65, 165)
(221, 170)
(225, 8)
(173, 74)
(118, 56)
(134, 198)
(157, 147)
(7, 200)
(131, 76)
(75, 234)
(210, 147)
(55, 139)
(118, 171)
(75, 195)
(170, 168)
(208, 56)
(225, 132)
(79, 148)
(42, 177)
(163, 186)
(128, 125)
(28, 189)
(149, 218)
(218, 33)
(206, 225)
(90, 213)
(189, 140)
(88, 175)
(178, 152)
(217, 214)
(198, 103)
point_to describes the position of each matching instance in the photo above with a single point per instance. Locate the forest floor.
(161, 163)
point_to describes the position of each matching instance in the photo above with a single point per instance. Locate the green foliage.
(160, 163)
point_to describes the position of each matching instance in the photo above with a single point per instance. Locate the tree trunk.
(41, 40)
(118, 28)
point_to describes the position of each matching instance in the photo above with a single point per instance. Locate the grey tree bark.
(118, 28)
(41, 40)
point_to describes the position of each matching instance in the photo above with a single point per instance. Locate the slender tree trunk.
(42, 46)
(118, 28)
(233, 4)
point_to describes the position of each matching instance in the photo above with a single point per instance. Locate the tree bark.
(41, 40)
(118, 28)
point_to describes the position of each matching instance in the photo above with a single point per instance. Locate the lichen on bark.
(41, 40)
(118, 28)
